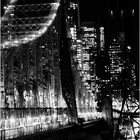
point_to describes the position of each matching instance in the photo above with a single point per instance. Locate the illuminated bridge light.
(33, 35)
(13, 126)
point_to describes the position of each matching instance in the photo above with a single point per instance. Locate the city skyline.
(115, 16)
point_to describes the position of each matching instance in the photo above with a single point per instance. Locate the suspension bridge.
(42, 88)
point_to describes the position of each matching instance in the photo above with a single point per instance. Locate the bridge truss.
(127, 107)
(37, 82)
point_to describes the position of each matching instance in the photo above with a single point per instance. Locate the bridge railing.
(21, 122)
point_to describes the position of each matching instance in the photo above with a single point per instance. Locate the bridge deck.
(90, 130)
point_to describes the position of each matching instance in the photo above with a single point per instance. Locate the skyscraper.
(89, 53)
(73, 13)
(73, 23)
(116, 60)
(116, 67)
(102, 39)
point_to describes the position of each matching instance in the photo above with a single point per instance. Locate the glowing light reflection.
(13, 127)
(91, 115)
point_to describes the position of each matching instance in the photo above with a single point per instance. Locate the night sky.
(99, 11)
(91, 9)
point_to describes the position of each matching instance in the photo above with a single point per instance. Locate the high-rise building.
(116, 67)
(73, 13)
(116, 60)
(73, 23)
(102, 39)
(89, 53)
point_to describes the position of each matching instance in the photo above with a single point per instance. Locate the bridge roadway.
(93, 130)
